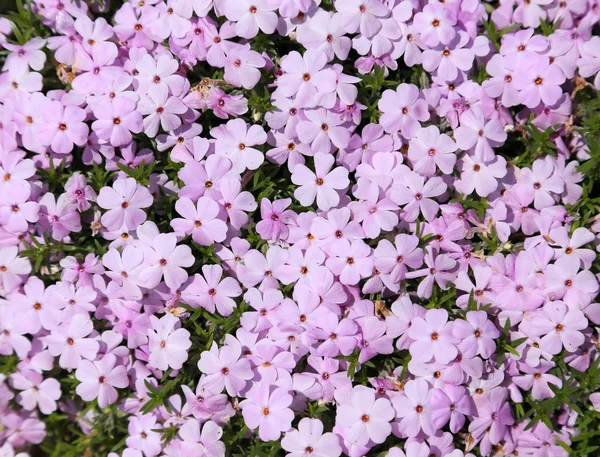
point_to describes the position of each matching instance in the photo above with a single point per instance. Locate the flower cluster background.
(304, 228)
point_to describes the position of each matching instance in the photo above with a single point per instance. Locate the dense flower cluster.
(341, 227)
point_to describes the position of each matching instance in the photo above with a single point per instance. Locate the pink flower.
(204, 179)
(160, 109)
(479, 176)
(430, 149)
(124, 270)
(97, 70)
(324, 33)
(165, 258)
(28, 55)
(250, 16)
(433, 338)
(205, 443)
(537, 379)
(16, 211)
(322, 129)
(124, 201)
(62, 127)
(436, 24)
(225, 369)
(242, 67)
(275, 218)
(416, 195)
(79, 192)
(558, 326)
(361, 16)
(144, 435)
(372, 340)
(475, 132)
(36, 391)
(322, 184)
(116, 120)
(338, 335)
(413, 408)
(565, 282)
(305, 76)
(173, 19)
(168, 344)
(393, 260)
(589, 62)
(447, 60)
(59, 215)
(159, 75)
(12, 267)
(539, 81)
(200, 220)
(352, 264)
(377, 213)
(267, 408)
(70, 343)
(12, 329)
(403, 110)
(209, 291)
(310, 436)
(477, 334)
(493, 414)
(99, 379)
(236, 203)
(367, 417)
(235, 140)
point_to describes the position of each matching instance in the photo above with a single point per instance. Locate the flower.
(168, 344)
(124, 200)
(403, 110)
(69, 341)
(99, 379)
(433, 337)
(235, 142)
(367, 417)
(430, 149)
(36, 391)
(200, 220)
(321, 184)
(116, 120)
(210, 292)
(309, 438)
(267, 409)
(225, 369)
